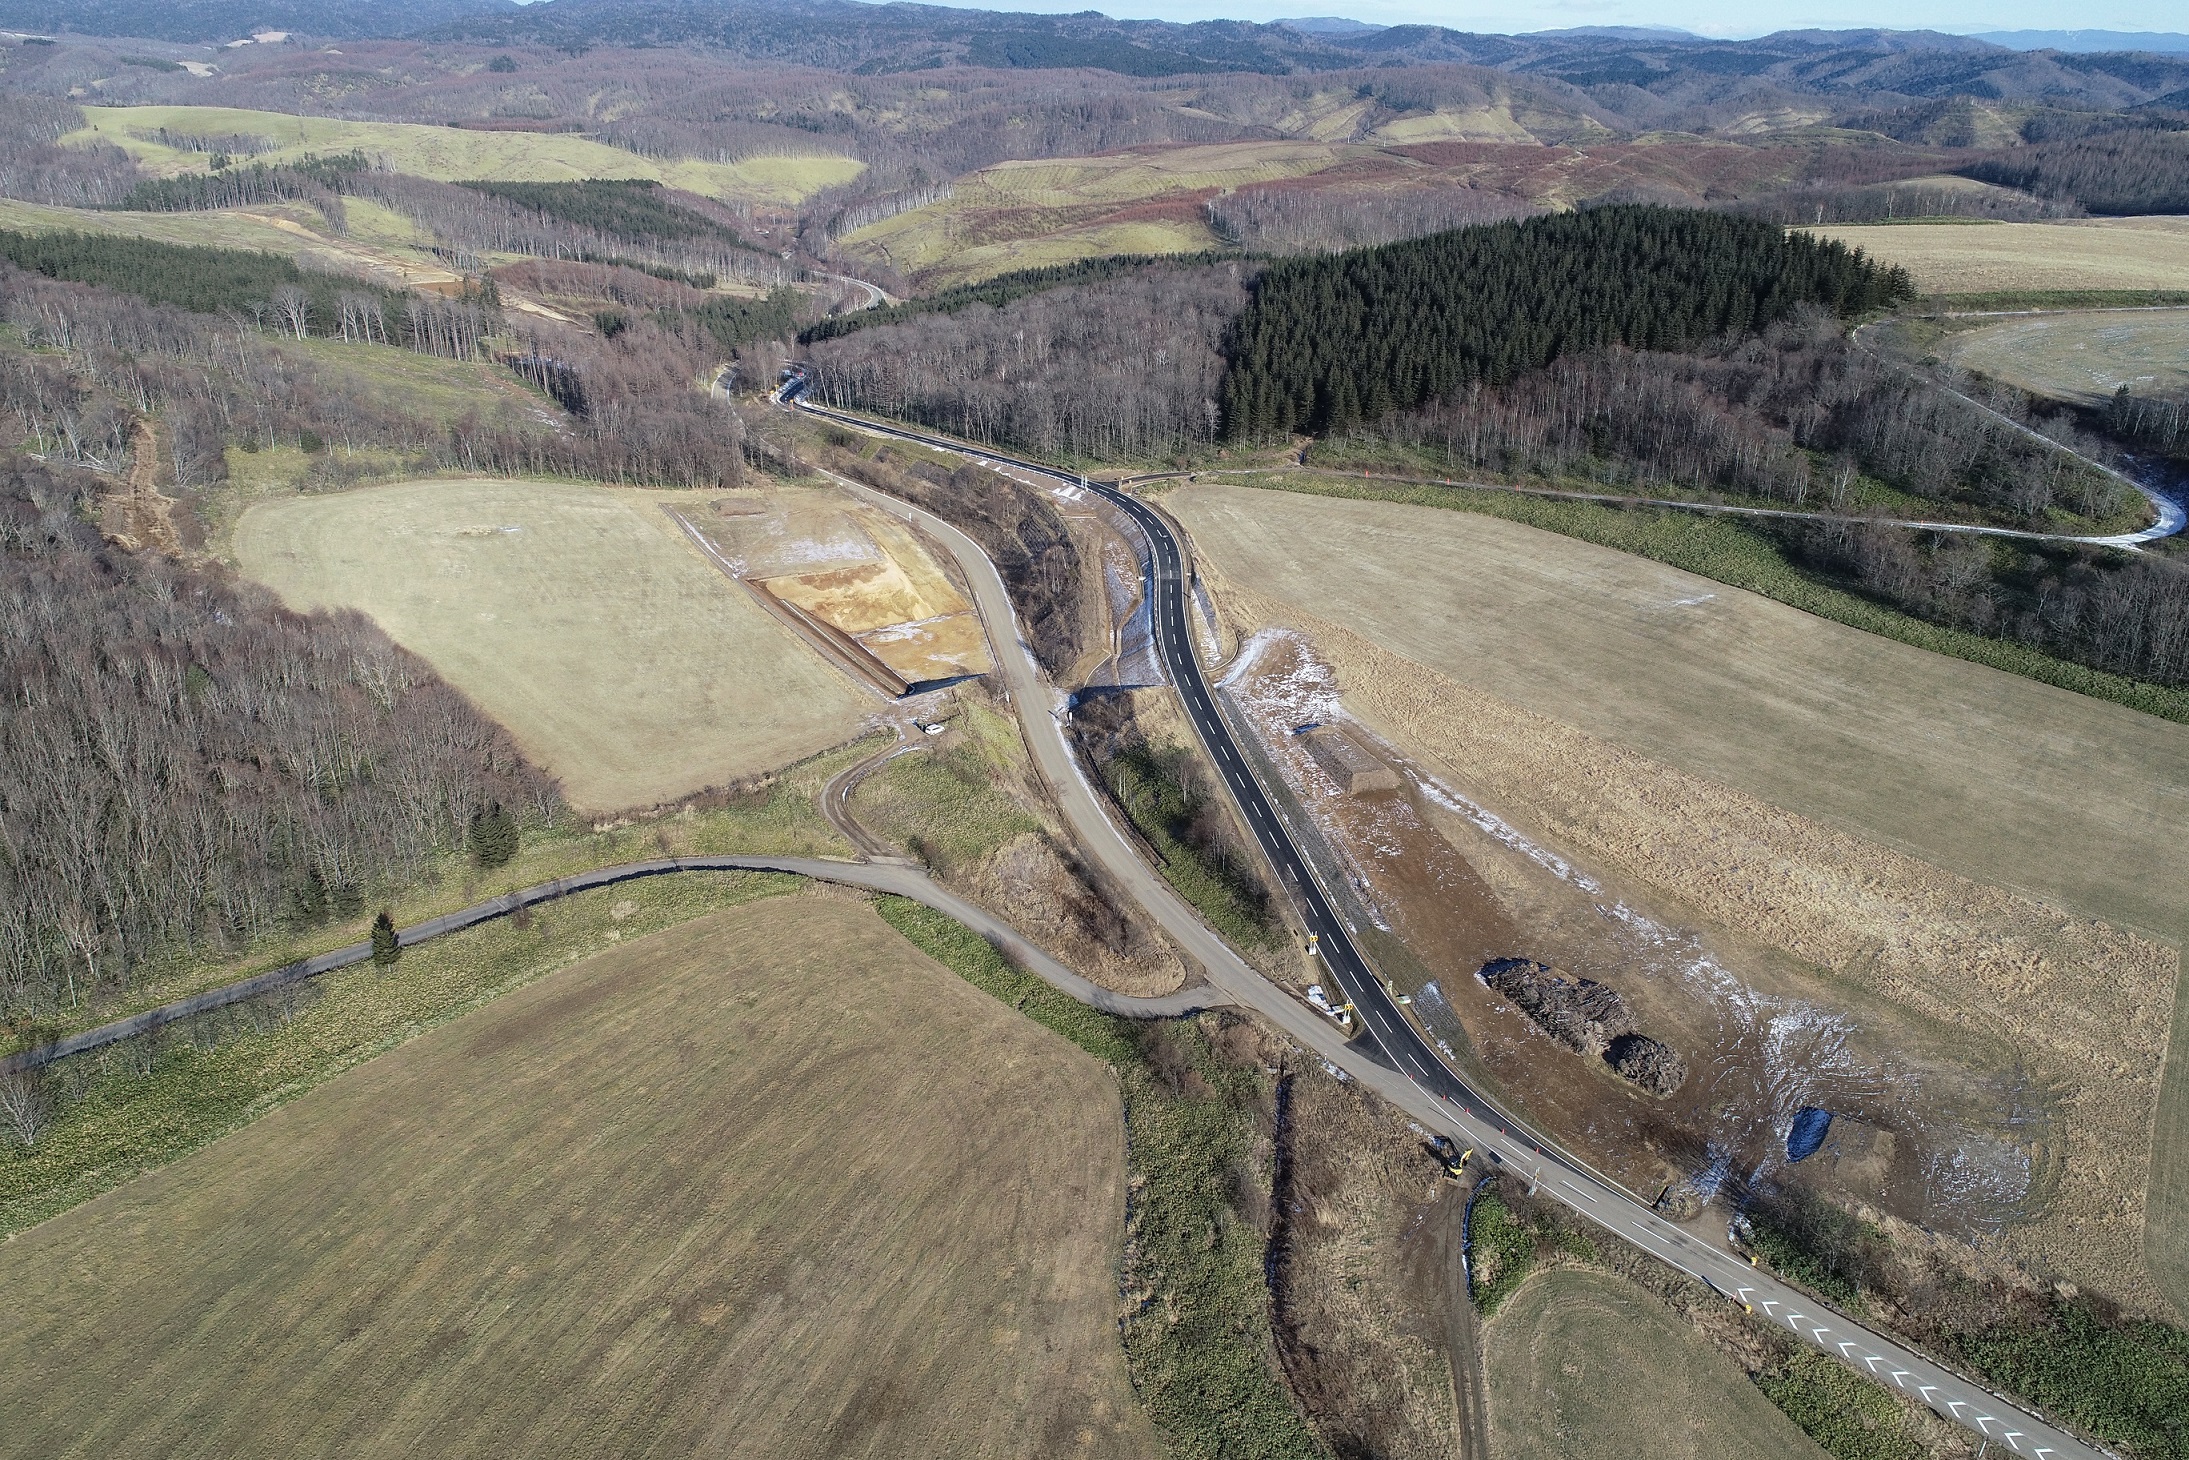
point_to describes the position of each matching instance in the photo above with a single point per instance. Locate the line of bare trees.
(1124, 369)
(34, 169)
(185, 765)
(1794, 415)
(2126, 614)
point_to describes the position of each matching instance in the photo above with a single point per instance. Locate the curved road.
(904, 881)
(1400, 1065)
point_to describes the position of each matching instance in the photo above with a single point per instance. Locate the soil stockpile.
(1649, 1063)
(1580, 1013)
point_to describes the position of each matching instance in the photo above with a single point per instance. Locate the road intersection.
(1399, 1063)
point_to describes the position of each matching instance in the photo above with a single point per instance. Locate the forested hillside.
(1329, 342)
(185, 765)
(2133, 171)
(635, 414)
(1793, 415)
(1123, 369)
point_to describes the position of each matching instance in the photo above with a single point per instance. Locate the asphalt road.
(1397, 1063)
(900, 878)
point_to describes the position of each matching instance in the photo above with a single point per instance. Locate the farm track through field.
(836, 799)
(899, 879)
(2172, 518)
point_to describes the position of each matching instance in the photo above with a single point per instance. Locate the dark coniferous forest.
(1329, 342)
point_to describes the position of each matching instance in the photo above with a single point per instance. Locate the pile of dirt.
(1586, 1017)
(1649, 1063)
(1583, 1015)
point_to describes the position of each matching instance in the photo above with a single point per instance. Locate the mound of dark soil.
(1580, 1013)
(1649, 1063)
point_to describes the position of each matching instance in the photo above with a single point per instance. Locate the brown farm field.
(2095, 254)
(577, 616)
(650, 1204)
(1981, 853)
(2083, 356)
(1582, 1365)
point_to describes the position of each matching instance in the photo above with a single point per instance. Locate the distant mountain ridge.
(1634, 71)
(216, 21)
(2087, 41)
(845, 35)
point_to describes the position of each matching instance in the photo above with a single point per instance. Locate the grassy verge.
(1196, 1333)
(1504, 1247)
(1802, 1261)
(1150, 783)
(1847, 1415)
(2051, 299)
(945, 807)
(141, 1104)
(778, 816)
(1729, 552)
(2125, 1383)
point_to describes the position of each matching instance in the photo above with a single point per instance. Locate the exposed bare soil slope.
(770, 1183)
(577, 616)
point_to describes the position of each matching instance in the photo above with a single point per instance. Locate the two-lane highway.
(1411, 1074)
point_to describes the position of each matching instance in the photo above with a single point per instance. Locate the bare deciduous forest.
(1126, 369)
(185, 765)
(1792, 414)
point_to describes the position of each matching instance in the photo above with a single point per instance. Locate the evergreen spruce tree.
(493, 836)
(386, 948)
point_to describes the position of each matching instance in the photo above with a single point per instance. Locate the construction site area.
(855, 584)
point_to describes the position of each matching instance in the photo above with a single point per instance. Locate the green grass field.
(648, 1204)
(1583, 1365)
(578, 616)
(214, 229)
(944, 805)
(2081, 357)
(450, 154)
